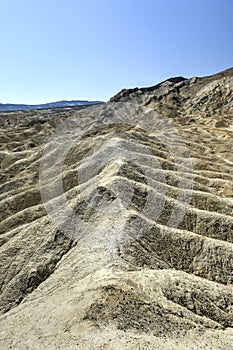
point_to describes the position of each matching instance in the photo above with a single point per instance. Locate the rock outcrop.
(117, 221)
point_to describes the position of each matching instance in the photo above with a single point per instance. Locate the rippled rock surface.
(117, 221)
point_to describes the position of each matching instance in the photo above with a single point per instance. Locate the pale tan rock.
(121, 276)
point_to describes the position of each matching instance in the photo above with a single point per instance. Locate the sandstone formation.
(134, 250)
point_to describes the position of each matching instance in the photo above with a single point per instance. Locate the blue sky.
(72, 49)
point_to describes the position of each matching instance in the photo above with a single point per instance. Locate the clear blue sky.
(73, 49)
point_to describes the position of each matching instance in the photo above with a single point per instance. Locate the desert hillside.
(116, 223)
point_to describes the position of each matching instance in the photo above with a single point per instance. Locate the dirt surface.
(134, 250)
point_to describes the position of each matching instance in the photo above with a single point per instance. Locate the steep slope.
(116, 221)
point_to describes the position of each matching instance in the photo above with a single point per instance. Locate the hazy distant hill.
(22, 107)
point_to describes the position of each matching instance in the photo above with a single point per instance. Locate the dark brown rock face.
(117, 221)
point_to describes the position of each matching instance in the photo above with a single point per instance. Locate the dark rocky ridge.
(128, 280)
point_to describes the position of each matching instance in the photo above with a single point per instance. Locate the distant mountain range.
(22, 107)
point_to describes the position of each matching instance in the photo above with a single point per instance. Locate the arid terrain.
(116, 226)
